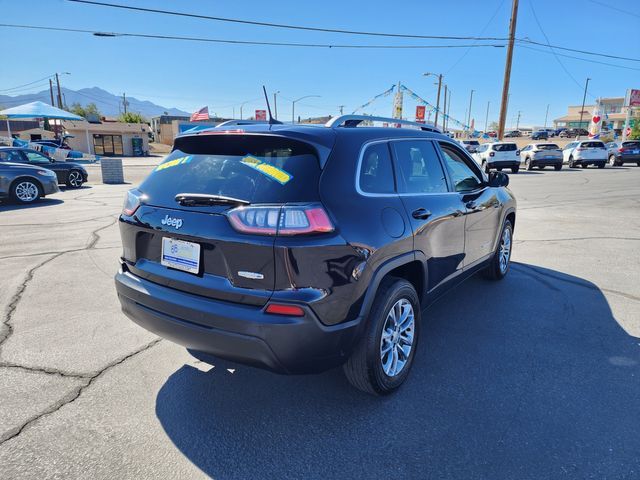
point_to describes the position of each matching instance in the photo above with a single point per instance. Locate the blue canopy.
(39, 110)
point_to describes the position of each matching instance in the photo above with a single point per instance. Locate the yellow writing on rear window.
(274, 173)
(173, 163)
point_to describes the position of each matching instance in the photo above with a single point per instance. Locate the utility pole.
(584, 98)
(59, 92)
(486, 118)
(546, 115)
(124, 102)
(438, 99)
(51, 92)
(469, 119)
(518, 120)
(341, 107)
(449, 107)
(444, 111)
(507, 69)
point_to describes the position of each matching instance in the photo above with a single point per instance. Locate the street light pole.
(507, 69)
(275, 104)
(518, 120)
(486, 118)
(438, 98)
(59, 94)
(546, 115)
(469, 119)
(444, 111)
(584, 98)
(293, 105)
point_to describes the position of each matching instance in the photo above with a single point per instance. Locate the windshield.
(505, 147)
(548, 146)
(258, 169)
(593, 145)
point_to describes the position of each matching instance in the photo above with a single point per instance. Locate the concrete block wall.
(112, 171)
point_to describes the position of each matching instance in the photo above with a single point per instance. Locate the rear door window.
(376, 172)
(255, 168)
(418, 167)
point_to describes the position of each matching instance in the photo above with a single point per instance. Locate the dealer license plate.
(180, 255)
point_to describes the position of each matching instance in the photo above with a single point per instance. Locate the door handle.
(421, 214)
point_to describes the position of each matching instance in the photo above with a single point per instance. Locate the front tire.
(558, 167)
(499, 266)
(601, 164)
(515, 169)
(25, 191)
(612, 161)
(572, 164)
(528, 164)
(381, 361)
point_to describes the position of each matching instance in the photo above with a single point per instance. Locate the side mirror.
(498, 179)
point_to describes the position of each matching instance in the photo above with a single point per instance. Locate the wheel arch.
(26, 177)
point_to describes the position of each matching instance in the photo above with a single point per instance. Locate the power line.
(26, 84)
(626, 12)
(280, 25)
(535, 16)
(588, 60)
(334, 30)
(243, 42)
(481, 32)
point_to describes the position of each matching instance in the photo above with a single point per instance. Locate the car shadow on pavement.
(7, 206)
(530, 377)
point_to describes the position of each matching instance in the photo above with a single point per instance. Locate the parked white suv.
(585, 153)
(498, 155)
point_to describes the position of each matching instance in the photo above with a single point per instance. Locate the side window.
(376, 172)
(37, 158)
(11, 156)
(418, 168)
(463, 176)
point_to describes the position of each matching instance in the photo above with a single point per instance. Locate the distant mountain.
(109, 104)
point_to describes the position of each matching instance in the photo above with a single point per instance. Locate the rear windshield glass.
(593, 144)
(505, 147)
(255, 168)
(631, 144)
(471, 142)
(548, 146)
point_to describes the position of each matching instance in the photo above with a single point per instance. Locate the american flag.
(202, 114)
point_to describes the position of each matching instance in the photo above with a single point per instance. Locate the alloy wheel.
(396, 341)
(75, 179)
(27, 191)
(505, 250)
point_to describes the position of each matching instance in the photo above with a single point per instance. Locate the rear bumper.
(589, 161)
(546, 161)
(236, 332)
(627, 158)
(503, 163)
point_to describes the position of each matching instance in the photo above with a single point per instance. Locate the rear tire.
(499, 266)
(74, 179)
(558, 167)
(584, 165)
(528, 164)
(572, 164)
(485, 167)
(601, 165)
(515, 169)
(612, 161)
(369, 368)
(541, 167)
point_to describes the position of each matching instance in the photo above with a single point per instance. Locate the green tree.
(132, 117)
(89, 109)
(635, 131)
(493, 126)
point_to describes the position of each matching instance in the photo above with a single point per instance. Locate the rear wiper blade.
(204, 199)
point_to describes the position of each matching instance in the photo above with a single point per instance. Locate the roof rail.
(241, 122)
(355, 120)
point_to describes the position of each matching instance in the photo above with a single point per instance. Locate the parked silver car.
(26, 183)
(541, 155)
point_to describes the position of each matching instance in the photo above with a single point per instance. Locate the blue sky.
(189, 75)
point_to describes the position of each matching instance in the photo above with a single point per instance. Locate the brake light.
(517, 152)
(281, 220)
(131, 202)
(622, 149)
(580, 149)
(492, 154)
(282, 309)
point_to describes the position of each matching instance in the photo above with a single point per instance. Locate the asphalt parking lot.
(537, 376)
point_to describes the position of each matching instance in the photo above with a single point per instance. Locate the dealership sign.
(261, 115)
(420, 110)
(634, 98)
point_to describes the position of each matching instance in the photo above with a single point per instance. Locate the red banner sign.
(261, 115)
(420, 109)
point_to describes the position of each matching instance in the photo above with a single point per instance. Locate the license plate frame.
(180, 255)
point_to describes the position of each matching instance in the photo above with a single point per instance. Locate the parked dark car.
(70, 174)
(540, 135)
(25, 183)
(513, 133)
(624, 152)
(300, 248)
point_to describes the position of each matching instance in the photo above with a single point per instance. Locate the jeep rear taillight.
(132, 201)
(281, 220)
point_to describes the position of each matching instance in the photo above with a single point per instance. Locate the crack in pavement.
(574, 239)
(55, 223)
(24, 255)
(73, 395)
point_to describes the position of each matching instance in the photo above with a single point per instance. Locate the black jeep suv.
(300, 248)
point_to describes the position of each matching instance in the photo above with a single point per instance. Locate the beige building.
(613, 110)
(108, 138)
